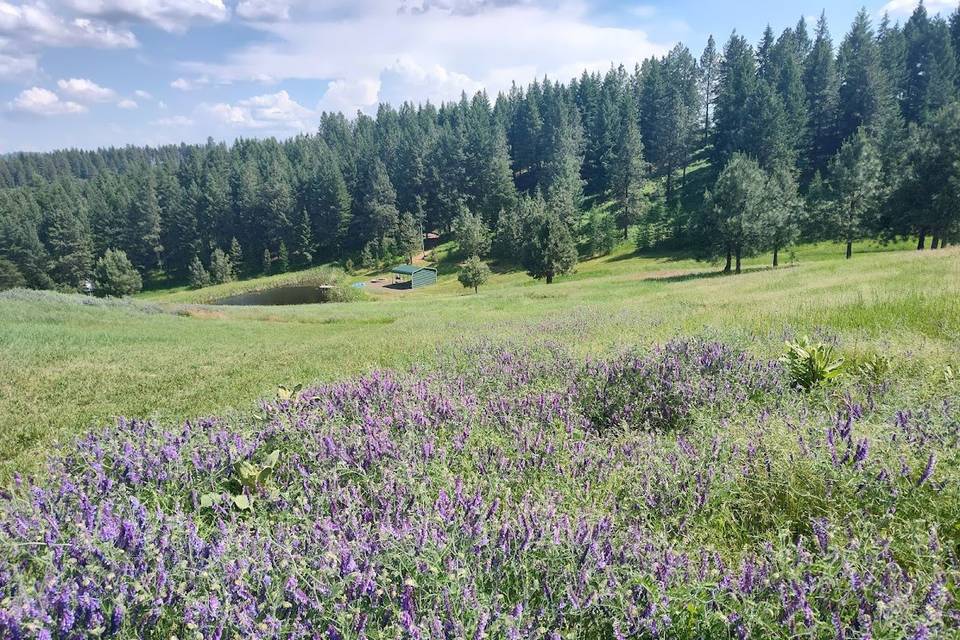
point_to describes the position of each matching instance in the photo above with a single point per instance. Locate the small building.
(418, 276)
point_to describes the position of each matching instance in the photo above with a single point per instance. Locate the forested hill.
(804, 139)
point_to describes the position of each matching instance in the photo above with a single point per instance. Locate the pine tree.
(10, 276)
(471, 234)
(283, 258)
(266, 262)
(855, 188)
(737, 82)
(709, 72)
(821, 87)
(603, 233)
(236, 254)
(931, 66)
(144, 226)
(115, 275)
(71, 248)
(783, 211)
(221, 269)
(768, 133)
(862, 94)
(733, 223)
(550, 250)
(304, 247)
(409, 236)
(198, 276)
(629, 172)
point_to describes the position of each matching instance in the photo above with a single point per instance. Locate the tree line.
(806, 141)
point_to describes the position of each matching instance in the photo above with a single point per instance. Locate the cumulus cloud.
(277, 111)
(431, 49)
(127, 104)
(36, 25)
(86, 90)
(264, 10)
(169, 15)
(43, 102)
(143, 95)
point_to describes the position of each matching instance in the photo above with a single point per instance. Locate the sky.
(95, 73)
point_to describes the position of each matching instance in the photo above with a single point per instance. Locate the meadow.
(619, 454)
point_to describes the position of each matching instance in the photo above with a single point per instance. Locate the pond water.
(287, 294)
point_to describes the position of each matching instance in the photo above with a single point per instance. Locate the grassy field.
(68, 363)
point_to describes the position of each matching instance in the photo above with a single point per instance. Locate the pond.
(282, 295)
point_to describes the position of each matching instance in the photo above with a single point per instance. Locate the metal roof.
(410, 269)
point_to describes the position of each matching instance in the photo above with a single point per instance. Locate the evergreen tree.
(304, 247)
(144, 226)
(473, 273)
(283, 258)
(783, 211)
(236, 254)
(734, 223)
(115, 275)
(855, 189)
(221, 269)
(471, 234)
(931, 66)
(603, 233)
(629, 172)
(266, 262)
(768, 132)
(737, 84)
(199, 277)
(562, 156)
(409, 236)
(10, 276)
(821, 85)
(550, 250)
(862, 93)
(709, 75)
(71, 248)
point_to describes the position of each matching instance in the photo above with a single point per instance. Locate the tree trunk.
(922, 242)
(849, 249)
(476, 289)
(669, 184)
(776, 255)
(738, 259)
(935, 242)
(726, 269)
(684, 182)
(549, 278)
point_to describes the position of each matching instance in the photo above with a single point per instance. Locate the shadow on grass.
(706, 275)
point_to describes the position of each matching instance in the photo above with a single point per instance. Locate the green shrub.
(811, 364)
(116, 276)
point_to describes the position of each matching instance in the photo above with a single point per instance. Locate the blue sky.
(88, 73)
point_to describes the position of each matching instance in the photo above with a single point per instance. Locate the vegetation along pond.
(282, 295)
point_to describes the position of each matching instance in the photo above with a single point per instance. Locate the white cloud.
(431, 51)
(35, 25)
(264, 10)
(906, 7)
(86, 90)
(184, 84)
(143, 95)
(14, 65)
(169, 15)
(175, 121)
(277, 111)
(43, 102)
(350, 96)
(128, 104)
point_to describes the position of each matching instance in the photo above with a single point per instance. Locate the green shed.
(419, 276)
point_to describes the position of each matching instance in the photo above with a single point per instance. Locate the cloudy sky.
(91, 73)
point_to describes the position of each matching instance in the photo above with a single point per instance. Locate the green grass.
(67, 364)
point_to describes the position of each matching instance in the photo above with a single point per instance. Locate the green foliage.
(733, 222)
(199, 277)
(855, 187)
(236, 255)
(471, 234)
(221, 268)
(603, 233)
(409, 236)
(266, 262)
(283, 258)
(550, 250)
(247, 483)
(10, 276)
(473, 273)
(115, 275)
(811, 364)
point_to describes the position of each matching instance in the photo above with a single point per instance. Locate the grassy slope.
(65, 366)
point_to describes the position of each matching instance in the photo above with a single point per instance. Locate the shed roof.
(410, 269)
